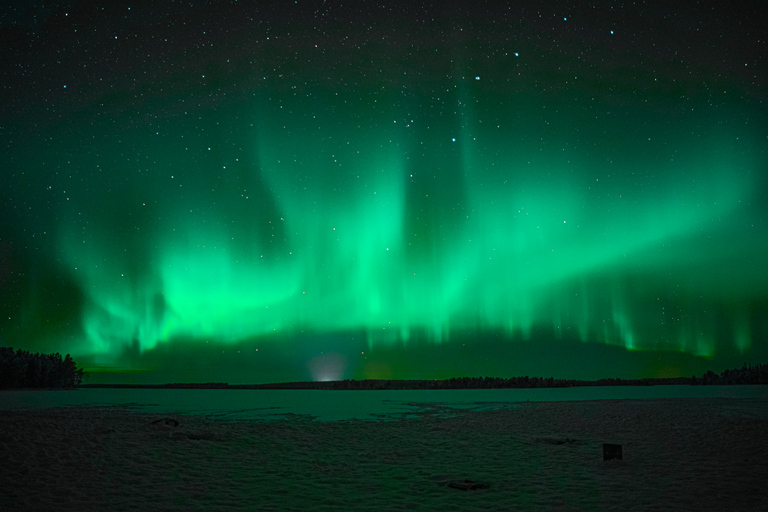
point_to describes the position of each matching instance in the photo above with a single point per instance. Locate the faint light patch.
(327, 367)
(378, 370)
(668, 372)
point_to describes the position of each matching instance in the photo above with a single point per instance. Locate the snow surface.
(678, 454)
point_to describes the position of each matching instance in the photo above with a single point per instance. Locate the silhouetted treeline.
(747, 374)
(757, 374)
(464, 383)
(22, 369)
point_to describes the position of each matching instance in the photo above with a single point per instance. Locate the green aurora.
(446, 215)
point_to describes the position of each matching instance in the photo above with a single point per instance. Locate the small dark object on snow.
(170, 422)
(202, 436)
(557, 440)
(611, 451)
(468, 485)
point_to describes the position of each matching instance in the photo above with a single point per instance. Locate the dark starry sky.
(260, 191)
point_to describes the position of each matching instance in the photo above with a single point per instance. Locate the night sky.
(298, 190)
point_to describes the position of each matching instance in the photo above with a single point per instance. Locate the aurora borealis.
(308, 190)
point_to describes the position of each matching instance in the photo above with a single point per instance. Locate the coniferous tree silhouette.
(22, 369)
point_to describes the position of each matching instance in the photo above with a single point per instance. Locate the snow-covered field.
(678, 454)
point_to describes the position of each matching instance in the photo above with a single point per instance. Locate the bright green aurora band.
(388, 216)
(402, 231)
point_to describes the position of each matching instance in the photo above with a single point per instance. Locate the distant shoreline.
(747, 375)
(378, 385)
(446, 384)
